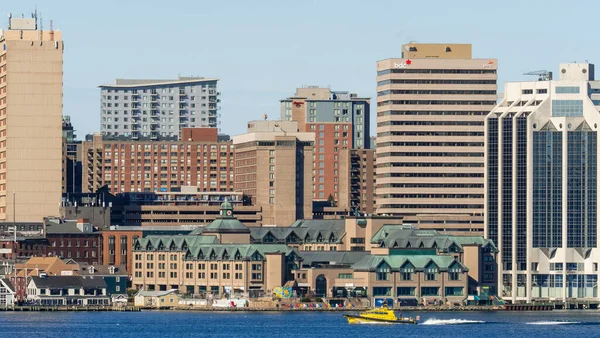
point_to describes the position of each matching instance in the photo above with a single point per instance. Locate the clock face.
(228, 212)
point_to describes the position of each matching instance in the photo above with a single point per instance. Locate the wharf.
(334, 309)
(37, 308)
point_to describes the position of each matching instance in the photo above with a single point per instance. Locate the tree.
(331, 201)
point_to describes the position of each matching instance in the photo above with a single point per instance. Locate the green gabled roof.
(404, 236)
(371, 262)
(226, 225)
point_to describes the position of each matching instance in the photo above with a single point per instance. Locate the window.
(454, 291)
(454, 273)
(406, 272)
(566, 90)
(382, 291)
(431, 272)
(429, 291)
(542, 91)
(405, 291)
(527, 91)
(345, 276)
(382, 272)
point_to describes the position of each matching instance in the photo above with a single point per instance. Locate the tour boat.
(381, 315)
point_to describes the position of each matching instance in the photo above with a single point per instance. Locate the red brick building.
(77, 240)
(200, 159)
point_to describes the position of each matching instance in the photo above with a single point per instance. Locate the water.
(295, 324)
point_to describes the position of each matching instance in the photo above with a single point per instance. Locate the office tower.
(158, 109)
(431, 106)
(71, 172)
(542, 186)
(31, 63)
(273, 167)
(339, 120)
(202, 159)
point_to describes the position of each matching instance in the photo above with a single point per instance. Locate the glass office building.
(541, 181)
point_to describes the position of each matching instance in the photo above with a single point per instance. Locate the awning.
(291, 284)
(303, 285)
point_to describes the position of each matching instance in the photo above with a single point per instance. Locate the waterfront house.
(7, 293)
(115, 276)
(67, 290)
(156, 299)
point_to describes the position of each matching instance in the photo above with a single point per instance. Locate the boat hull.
(362, 320)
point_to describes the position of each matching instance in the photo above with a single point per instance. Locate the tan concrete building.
(431, 106)
(144, 166)
(274, 169)
(30, 121)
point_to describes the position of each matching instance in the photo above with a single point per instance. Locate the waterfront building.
(134, 109)
(31, 91)
(40, 266)
(201, 160)
(340, 121)
(406, 265)
(542, 186)
(273, 168)
(7, 293)
(431, 106)
(67, 290)
(115, 276)
(156, 299)
(216, 259)
(73, 239)
(30, 240)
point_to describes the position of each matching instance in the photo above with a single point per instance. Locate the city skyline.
(273, 63)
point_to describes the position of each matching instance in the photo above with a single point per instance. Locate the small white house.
(7, 293)
(156, 299)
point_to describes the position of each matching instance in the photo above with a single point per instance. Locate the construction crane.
(543, 75)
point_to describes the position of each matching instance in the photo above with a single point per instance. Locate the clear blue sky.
(263, 50)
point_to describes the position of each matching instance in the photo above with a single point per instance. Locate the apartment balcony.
(213, 92)
(155, 105)
(154, 135)
(135, 135)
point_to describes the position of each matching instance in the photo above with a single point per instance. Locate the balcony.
(135, 135)
(154, 135)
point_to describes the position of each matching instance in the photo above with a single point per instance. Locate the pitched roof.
(224, 225)
(49, 265)
(332, 257)
(56, 282)
(419, 262)
(155, 293)
(102, 270)
(8, 284)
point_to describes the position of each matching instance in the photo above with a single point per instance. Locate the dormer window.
(91, 269)
(111, 270)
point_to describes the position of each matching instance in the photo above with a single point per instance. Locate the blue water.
(295, 324)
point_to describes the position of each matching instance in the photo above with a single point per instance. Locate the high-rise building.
(542, 186)
(71, 171)
(201, 160)
(273, 167)
(431, 106)
(31, 64)
(339, 120)
(158, 109)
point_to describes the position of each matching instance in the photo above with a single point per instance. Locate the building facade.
(431, 106)
(217, 259)
(73, 239)
(158, 109)
(340, 121)
(146, 166)
(273, 167)
(541, 186)
(31, 77)
(72, 156)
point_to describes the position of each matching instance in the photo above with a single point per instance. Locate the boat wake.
(451, 321)
(552, 323)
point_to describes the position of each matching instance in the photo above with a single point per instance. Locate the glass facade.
(567, 90)
(547, 189)
(507, 169)
(567, 108)
(492, 180)
(581, 189)
(521, 193)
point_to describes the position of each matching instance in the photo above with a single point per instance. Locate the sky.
(263, 50)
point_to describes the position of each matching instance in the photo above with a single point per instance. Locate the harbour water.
(295, 324)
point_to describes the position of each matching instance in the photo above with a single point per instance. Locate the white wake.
(451, 321)
(551, 323)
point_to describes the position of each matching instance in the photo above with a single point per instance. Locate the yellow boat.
(381, 315)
